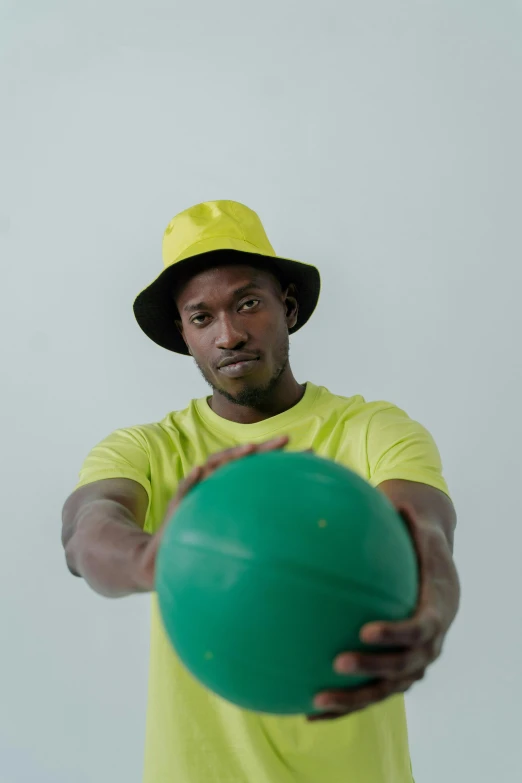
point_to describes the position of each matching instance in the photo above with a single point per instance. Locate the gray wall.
(380, 140)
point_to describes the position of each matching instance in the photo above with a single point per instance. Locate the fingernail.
(371, 635)
(323, 701)
(345, 664)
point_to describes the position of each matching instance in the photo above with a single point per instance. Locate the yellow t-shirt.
(195, 737)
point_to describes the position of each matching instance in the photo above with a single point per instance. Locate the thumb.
(184, 487)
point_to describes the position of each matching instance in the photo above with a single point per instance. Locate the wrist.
(142, 564)
(106, 549)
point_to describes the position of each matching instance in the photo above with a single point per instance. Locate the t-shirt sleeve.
(122, 454)
(400, 448)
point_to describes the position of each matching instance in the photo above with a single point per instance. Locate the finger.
(221, 458)
(224, 457)
(184, 486)
(273, 444)
(391, 666)
(346, 701)
(340, 710)
(215, 460)
(237, 452)
(418, 630)
(324, 716)
(192, 478)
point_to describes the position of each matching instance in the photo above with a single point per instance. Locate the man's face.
(237, 312)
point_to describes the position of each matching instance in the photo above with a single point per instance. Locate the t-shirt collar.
(261, 429)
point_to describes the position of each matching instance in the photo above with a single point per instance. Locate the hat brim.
(155, 311)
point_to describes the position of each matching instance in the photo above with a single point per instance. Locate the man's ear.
(291, 304)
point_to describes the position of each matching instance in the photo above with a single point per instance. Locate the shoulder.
(356, 405)
(356, 408)
(136, 441)
(166, 429)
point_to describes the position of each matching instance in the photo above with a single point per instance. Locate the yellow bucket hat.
(215, 231)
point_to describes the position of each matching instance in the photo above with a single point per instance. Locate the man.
(227, 300)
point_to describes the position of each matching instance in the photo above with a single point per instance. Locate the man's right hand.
(146, 556)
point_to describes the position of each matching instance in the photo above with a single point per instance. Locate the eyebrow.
(255, 283)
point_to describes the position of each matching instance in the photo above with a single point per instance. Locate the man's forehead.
(246, 277)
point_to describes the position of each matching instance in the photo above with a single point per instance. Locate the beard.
(256, 397)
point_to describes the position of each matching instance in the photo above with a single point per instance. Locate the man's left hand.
(418, 640)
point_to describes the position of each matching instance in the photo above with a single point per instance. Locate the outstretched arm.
(430, 516)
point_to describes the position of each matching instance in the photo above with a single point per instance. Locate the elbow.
(69, 542)
(70, 567)
(70, 558)
(68, 536)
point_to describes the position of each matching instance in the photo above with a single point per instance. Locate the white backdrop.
(380, 140)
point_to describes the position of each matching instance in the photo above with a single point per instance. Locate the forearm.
(104, 546)
(431, 506)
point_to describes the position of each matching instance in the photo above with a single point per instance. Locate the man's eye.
(250, 304)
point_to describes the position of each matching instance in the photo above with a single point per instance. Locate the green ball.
(270, 567)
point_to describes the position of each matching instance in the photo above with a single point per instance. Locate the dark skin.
(241, 310)
(223, 312)
(430, 517)
(234, 309)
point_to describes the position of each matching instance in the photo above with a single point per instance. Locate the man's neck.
(285, 396)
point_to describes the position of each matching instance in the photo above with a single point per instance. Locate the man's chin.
(247, 392)
(243, 394)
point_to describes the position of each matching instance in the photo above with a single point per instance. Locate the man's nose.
(231, 334)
